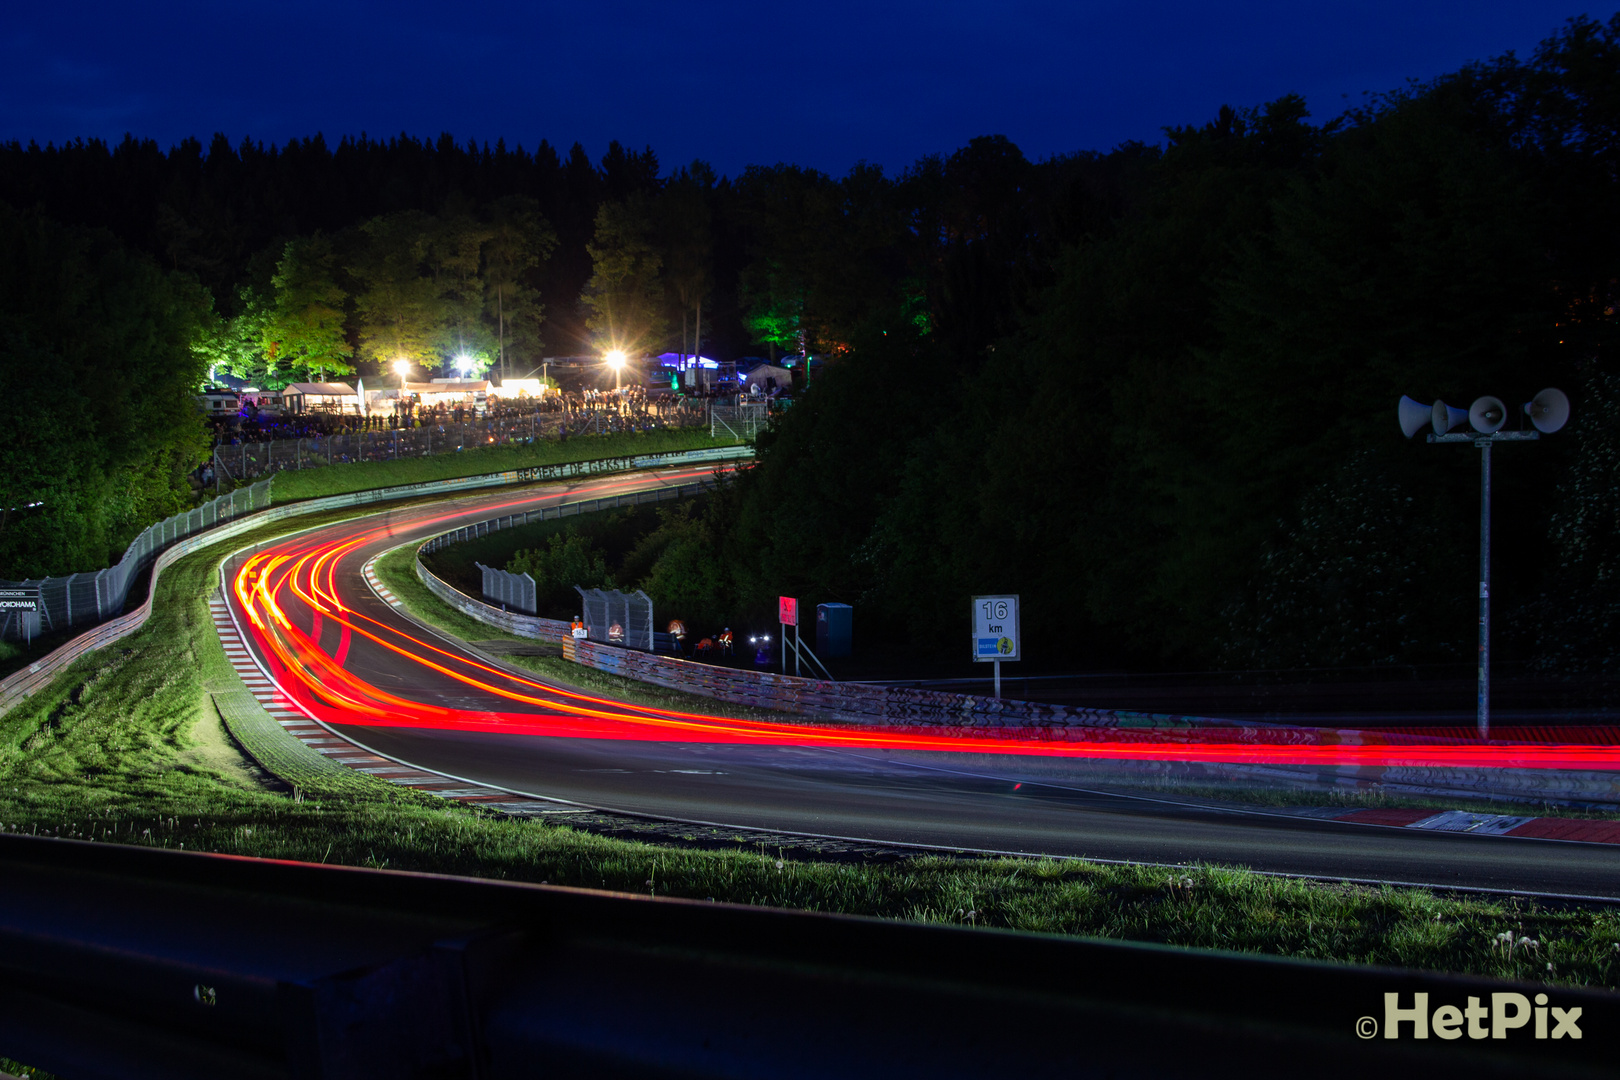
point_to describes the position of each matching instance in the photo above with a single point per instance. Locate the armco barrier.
(529, 626)
(210, 966)
(24, 682)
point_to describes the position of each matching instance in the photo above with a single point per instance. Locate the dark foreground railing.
(128, 962)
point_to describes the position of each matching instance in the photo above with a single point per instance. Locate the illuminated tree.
(624, 295)
(303, 332)
(688, 235)
(520, 239)
(454, 258)
(398, 305)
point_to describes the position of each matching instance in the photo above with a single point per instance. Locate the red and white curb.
(336, 748)
(376, 584)
(1586, 830)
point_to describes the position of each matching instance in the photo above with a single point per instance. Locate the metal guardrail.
(208, 966)
(515, 622)
(22, 683)
(552, 513)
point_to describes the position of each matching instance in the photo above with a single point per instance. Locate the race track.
(362, 668)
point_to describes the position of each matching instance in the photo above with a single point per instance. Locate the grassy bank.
(360, 476)
(128, 747)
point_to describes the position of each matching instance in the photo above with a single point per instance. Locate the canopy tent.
(758, 376)
(327, 397)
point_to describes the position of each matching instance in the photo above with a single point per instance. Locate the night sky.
(824, 84)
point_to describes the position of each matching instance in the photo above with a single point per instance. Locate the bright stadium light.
(401, 367)
(615, 359)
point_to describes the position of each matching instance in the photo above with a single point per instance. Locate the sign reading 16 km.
(995, 628)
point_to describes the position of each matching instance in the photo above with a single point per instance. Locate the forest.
(1151, 389)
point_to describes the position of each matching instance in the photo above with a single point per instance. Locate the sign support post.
(996, 633)
(787, 610)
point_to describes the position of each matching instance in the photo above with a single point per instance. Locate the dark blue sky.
(823, 84)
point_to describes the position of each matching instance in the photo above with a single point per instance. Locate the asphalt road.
(945, 800)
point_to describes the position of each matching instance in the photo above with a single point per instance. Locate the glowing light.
(615, 359)
(402, 367)
(288, 634)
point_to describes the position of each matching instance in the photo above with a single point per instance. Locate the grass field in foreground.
(360, 476)
(127, 747)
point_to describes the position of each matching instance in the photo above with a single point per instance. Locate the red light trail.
(321, 686)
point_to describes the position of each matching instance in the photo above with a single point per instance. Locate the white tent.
(757, 377)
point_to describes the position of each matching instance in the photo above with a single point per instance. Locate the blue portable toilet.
(833, 629)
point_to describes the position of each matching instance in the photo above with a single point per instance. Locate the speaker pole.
(1484, 588)
(1548, 412)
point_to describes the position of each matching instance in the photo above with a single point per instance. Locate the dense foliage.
(1159, 398)
(96, 374)
(1152, 390)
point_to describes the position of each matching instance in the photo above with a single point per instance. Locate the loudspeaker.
(1444, 417)
(1414, 415)
(1487, 414)
(1549, 410)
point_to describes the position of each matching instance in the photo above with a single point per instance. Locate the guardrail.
(22, 683)
(208, 966)
(555, 631)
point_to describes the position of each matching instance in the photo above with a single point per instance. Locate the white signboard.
(995, 627)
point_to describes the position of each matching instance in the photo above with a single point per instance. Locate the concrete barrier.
(513, 622)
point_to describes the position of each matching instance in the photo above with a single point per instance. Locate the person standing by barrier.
(725, 643)
(577, 628)
(677, 635)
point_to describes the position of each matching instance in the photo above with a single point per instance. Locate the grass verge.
(128, 747)
(360, 476)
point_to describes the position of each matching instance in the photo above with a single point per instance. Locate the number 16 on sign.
(995, 631)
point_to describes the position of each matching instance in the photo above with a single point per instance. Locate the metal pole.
(997, 665)
(784, 648)
(1485, 588)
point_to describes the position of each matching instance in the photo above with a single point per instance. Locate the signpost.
(787, 610)
(995, 631)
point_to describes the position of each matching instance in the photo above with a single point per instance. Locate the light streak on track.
(290, 589)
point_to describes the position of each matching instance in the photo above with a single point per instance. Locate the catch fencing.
(527, 624)
(738, 421)
(246, 460)
(22, 683)
(87, 598)
(632, 613)
(514, 592)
